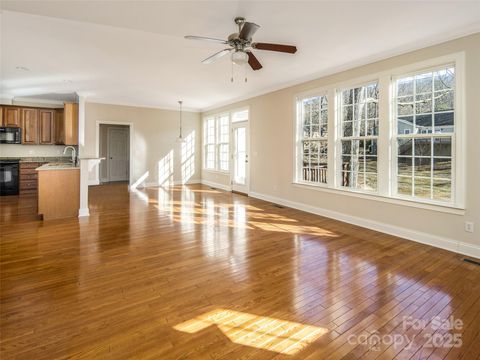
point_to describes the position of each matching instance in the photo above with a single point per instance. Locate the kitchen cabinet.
(30, 128)
(66, 125)
(59, 127)
(43, 126)
(28, 177)
(11, 116)
(54, 188)
(47, 126)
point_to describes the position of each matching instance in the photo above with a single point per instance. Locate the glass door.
(240, 165)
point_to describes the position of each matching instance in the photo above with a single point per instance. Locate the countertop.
(40, 159)
(57, 166)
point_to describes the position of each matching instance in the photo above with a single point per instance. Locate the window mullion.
(332, 146)
(384, 138)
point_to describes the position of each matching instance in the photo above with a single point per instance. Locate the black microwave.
(10, 135)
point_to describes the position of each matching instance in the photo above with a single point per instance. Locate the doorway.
(114, 146)
(240, 169)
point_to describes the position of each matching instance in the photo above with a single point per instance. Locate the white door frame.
(108, 149)
(245, 124)
(97, 149)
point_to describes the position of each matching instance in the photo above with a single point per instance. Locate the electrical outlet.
(469, 226)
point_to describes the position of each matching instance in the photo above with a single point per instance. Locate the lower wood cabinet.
(29, 177)
(58, 193)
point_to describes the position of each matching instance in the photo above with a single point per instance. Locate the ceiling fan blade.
(202, 38)
(248, 29)
(253, 61)
(216, 56)
(275, 47)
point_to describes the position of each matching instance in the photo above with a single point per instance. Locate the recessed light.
(22, 68)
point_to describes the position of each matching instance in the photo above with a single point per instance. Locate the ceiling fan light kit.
(239, 57)
(241, 46)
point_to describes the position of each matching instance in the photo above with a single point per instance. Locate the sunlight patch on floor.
(294, 229)
(261, 332)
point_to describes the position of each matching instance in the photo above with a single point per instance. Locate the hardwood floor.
(196, 273)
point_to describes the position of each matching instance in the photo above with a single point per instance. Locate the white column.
(83, 211)
(86, 165)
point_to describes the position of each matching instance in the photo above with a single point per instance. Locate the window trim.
(239, 109)
(457, 60)
(297, 125)
(218, 144)
(385, 138)
(205, 144)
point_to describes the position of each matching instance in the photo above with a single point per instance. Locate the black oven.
(9, 177)
(10, 135)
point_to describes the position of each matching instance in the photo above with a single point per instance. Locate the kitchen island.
(58, 190)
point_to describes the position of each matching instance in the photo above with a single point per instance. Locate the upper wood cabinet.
(11, 117)
(66, 122)
(59, 127)
(43, 126)
(30, 129)
(47, 126)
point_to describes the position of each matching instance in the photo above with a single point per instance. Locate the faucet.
(74, 154)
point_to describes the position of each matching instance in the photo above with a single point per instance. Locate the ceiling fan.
(241, 45)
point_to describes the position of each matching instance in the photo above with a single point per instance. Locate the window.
(313, 120)
(241, 115)
(425, 122)
(216, 136)
(359, 134)
(209, 143)
(223, 142)
(399, 136)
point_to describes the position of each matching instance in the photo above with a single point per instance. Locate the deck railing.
(319, 174)
(315, 174)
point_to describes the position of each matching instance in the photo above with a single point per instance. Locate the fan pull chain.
(231, 79)
(245, 67)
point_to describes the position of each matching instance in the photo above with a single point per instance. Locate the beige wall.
(272, 142)
(154, 135)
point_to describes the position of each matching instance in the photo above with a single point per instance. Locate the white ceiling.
(133, 52)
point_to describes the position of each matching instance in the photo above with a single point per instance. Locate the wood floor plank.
(122, 283)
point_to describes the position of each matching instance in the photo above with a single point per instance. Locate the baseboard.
(83, 212)
(189, 182)
(178, 182)
(93, 182)
(216, 185)
(469, 249)
(417, 236)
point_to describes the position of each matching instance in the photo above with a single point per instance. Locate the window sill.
(449, 209)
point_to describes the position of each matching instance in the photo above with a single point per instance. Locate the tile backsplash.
(14, 150)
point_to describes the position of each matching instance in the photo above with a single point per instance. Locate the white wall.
(156, 155)
(271, 160)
